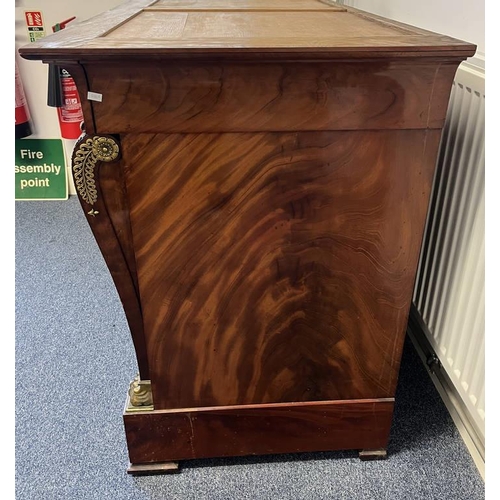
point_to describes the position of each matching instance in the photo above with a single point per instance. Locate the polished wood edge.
(307, 54)
(153, 468)
(379, 454)
(96, 170)
(144, 60)
(271, 406)
(164, 436)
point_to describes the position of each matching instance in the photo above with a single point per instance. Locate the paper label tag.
(94, 96)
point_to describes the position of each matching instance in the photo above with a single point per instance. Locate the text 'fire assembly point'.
(40, 170)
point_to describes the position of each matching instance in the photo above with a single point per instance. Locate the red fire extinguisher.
(69, 109)
(23, 126)
(70, 112)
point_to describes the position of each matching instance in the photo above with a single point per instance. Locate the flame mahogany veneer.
(257, 177)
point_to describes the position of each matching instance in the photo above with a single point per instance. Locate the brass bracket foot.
(379, 454)
(153, 468)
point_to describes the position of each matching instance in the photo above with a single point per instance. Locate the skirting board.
(417, 332)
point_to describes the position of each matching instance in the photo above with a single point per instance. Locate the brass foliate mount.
(89, 151)
(140, 396)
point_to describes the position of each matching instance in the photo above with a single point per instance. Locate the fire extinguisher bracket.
(54, 91)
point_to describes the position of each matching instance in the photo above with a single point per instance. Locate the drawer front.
(189, 97)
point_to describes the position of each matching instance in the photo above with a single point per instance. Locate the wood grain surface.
(140, 28)
(276, 267)
(245, 5)
(163, 436)
(216, 97)
(232, 26)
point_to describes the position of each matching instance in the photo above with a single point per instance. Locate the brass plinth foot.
(379, 454)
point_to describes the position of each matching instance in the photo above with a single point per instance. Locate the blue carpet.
(74, 362)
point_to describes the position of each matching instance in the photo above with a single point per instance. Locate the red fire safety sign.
(34, 22)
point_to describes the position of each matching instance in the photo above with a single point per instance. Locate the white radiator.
(450, 285)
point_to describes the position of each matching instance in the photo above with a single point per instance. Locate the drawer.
(190, 97)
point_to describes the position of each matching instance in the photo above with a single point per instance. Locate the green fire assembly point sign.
(40, 170)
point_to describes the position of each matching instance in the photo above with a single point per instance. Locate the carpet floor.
(74, 362)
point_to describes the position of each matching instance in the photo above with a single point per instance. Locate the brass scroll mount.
(89, 151)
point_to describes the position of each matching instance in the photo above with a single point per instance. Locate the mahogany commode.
(257, 176)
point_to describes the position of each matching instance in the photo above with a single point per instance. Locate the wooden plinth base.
(160, 436)
(153, 468)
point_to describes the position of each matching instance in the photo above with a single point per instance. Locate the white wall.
(462, 19)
